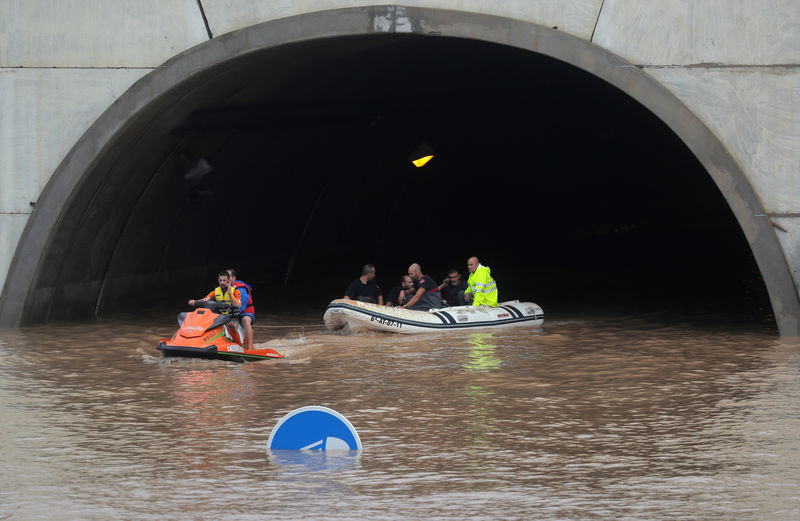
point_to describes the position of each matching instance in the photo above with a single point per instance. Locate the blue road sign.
(314, 428)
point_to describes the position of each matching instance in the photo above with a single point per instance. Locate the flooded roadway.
(590, 418)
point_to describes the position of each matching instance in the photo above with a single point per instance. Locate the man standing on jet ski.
(247, 313)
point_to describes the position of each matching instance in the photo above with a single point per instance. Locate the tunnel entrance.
(574, 193)
(291, 164)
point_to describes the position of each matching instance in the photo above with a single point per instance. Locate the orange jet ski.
(212, 332)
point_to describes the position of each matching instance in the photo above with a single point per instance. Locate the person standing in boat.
(247, 312)
(427, 295)
(401, 294)
(222, 293)
(453, 288)
(481, 287)
(364, 288)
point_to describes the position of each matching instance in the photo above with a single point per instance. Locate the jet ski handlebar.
(220, 308)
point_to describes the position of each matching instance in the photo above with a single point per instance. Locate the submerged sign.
(314, 428)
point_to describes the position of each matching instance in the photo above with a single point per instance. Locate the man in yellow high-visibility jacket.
(481, 287)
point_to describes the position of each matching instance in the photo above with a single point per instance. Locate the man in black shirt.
(401, 294)
(453, 289)
(364, 288)
(427, 295)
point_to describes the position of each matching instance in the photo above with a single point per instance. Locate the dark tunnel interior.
(574, 194)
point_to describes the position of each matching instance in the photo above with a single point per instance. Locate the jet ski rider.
(247, 313)
(225, 292)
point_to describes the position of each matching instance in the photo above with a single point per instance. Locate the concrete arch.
(29, 289)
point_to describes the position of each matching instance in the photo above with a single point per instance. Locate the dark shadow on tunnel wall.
(569, 188)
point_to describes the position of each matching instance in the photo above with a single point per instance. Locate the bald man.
(481, 287)
(426, 295)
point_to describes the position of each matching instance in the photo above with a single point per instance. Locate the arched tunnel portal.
(560, 179)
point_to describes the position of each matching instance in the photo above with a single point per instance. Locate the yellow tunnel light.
(419, 162)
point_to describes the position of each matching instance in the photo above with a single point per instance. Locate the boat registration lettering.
(386, 322)
(502, 315)
(235, 349)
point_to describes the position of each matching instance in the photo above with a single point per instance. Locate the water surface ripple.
(591, 418)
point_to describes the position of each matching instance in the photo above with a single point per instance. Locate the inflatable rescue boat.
(357, 316)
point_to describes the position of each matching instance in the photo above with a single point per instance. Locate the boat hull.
(232, 352)
(359, 316)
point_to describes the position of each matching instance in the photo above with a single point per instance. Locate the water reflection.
(214, 388)
(206, 402)
(482, 357)
(479, 401)
(322, 461)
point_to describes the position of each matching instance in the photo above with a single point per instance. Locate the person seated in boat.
(364, 288)
(426, 291)
(481, 287)
(225, 292)
(401, 294)
(247, 313)
(453, 288)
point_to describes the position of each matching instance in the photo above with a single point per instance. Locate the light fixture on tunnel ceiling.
(422, 161)
(421, 155)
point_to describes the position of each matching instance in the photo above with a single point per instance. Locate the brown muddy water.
(614, 417)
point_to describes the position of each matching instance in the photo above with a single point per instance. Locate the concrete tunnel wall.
(81, 191)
